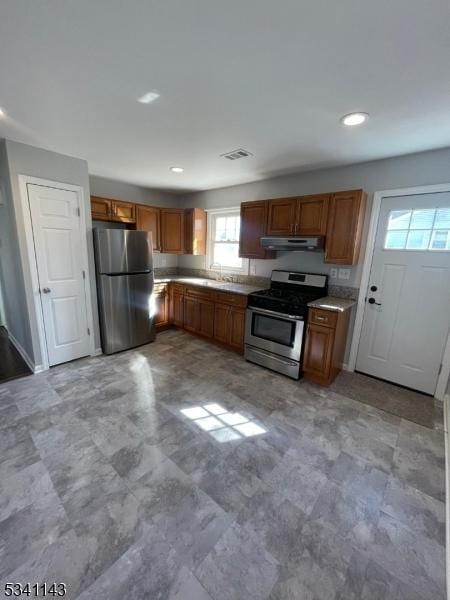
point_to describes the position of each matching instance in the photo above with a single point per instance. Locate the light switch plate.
(333, 273)
(344, 274)
(253, 269)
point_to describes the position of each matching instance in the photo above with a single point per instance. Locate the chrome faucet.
(218, 264)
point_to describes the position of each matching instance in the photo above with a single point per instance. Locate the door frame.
(367, 265)
(35, 302)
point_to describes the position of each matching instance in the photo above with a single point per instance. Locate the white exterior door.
(407, 314)
(55, 216)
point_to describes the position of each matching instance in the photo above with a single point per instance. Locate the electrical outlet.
(333, 273)
(344, 273)
(253, 269)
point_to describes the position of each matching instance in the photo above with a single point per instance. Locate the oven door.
(276, 332)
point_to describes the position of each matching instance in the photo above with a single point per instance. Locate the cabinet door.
(222, 323)
(281, 216)
(161, 300)
(178, 309)
(206, 318)
(253, 227)
(195, 231)
(191, 313)
(237, 329)
(148, 219)
(172, 230)
(100, 209)
(344, 228)
(318, 351)
(124, 212)
(312, 214)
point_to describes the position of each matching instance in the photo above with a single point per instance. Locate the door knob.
(372, 301)
(46, 290)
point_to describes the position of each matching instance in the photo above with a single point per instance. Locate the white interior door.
(55, 216)
(407, 314)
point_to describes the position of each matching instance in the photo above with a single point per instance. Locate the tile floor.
(179, 471)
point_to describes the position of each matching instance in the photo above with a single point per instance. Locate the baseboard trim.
(447, 486)
(34, 368)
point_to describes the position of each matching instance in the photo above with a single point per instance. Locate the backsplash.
(338, 291)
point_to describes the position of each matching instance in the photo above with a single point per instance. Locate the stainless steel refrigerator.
(124, 267)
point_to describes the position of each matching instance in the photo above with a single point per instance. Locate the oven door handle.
(265, 311)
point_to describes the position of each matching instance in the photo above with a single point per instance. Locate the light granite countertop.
(223, 286)
(332, 303)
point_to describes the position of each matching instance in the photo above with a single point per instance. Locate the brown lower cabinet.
(229, 326)
(161, 305)
(219, 316)
(326, 336)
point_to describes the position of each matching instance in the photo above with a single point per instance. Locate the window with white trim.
(419, 229)
(223, 241)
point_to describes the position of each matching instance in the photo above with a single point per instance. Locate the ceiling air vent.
(239, 153)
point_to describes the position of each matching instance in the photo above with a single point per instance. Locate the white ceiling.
(273, 77)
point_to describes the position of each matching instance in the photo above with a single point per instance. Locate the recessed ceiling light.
(149, 97)
(355, 118)
(2, 113)
(176, 169)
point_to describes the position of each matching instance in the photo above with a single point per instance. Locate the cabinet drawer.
(231, 299)
(198, 292)
(177, 288)
(322, 317)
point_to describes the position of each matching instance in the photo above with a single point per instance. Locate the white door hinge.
(89, 331)
(78, 211)
(440, 369)
(84, 274)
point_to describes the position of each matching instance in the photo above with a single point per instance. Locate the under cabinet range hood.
(302, 244)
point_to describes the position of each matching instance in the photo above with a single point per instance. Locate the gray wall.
(36, 162)
(11, 275)
(109, 188)
(406, 171)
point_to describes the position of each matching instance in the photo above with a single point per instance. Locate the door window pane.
(418, 229)
(440, 240)
(395, 240)
(442, 220)
(399, 219)
(418, 240)
(423, 219)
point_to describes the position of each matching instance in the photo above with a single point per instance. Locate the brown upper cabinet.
(344, 227)
(253, 227)
(306, 215)
(311, 216)
(100, 209)
(106, 209)
(195, 231)
(172, 230)
(123, 212)
(148, 219)
(281, 216)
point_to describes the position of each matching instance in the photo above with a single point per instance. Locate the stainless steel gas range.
(275, 320)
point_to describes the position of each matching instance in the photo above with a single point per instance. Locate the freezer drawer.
(125, 311)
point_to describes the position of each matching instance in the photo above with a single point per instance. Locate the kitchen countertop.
(332, 303)
(223, 286)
